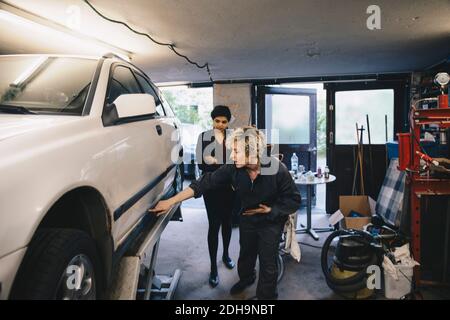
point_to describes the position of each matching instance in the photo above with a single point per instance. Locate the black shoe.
(241, 285)
(213, 279)
(228, 262)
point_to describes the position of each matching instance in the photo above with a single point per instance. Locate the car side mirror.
(134, 105)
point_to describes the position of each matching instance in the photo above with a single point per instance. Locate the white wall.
(238, 98)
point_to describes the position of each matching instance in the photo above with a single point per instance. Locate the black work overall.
(260, 233)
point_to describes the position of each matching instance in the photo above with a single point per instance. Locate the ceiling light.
(17, 18)
(28, 72)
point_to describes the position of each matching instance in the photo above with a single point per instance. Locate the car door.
(170, 133)
(137, 146)
(172, 140)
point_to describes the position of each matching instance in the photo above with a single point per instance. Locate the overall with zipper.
(259, 234)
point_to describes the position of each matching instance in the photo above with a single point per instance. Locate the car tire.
(54, 261)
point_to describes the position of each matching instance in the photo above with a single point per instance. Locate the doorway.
(350, 105)
(289, 115)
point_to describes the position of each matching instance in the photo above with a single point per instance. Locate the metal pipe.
(356, 157)
(386, 139)
(361, 159)
(372, 177)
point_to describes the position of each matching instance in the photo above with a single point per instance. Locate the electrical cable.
(171, 46)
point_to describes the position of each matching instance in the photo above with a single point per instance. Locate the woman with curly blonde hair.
(268, 196)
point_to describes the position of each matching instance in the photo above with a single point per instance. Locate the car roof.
(110, 56)
(52, 55)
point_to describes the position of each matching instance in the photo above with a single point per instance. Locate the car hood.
(12, 125)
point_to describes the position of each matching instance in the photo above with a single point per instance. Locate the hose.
(348, 283)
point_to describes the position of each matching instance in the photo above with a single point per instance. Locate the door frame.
(311, 148)
(401, 102)
(261, 117)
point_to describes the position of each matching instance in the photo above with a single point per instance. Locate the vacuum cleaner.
(355, 251)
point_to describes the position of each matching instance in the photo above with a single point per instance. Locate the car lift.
(410, 154)
(136, 278)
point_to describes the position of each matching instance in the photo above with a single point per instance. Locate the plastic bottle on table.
(294, 163)
(326, 172)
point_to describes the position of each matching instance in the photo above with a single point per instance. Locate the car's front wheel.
(60, 264)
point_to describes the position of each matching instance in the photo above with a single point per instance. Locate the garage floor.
(183, 245)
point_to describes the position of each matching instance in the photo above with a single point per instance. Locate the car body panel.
(8, 271)
(45, 156)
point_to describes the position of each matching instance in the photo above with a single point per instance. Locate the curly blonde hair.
(254, 140)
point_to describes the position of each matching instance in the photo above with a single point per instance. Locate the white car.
(86, 148)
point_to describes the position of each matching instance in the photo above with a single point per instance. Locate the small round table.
(309, 189)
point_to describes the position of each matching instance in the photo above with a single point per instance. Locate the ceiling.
(249, 39)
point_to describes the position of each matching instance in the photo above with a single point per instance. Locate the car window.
(149, 89)
(167, 107)
(122, 82)
(46, 84)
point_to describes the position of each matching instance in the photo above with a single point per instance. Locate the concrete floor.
(184, 246)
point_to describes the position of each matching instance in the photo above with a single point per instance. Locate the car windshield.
(45, 84)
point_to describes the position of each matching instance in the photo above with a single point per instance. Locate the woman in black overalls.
(268, 196)
(218, 203)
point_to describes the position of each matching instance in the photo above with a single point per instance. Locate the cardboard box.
(361, 204)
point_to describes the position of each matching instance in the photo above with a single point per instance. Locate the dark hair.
(221, 111)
